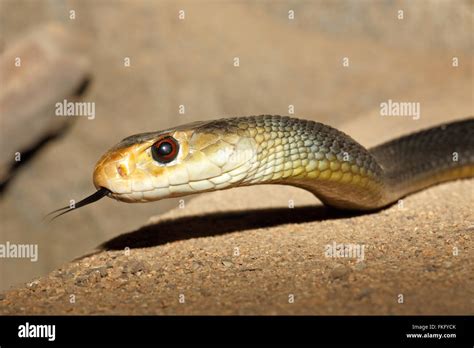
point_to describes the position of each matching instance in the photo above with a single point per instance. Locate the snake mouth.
(100, 193)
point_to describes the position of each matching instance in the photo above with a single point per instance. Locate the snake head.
(189, 159)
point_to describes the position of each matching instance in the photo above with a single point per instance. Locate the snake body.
(266, 149)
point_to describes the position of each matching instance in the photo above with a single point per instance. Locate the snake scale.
(269, 149)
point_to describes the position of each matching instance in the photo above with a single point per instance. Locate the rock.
(226, 263)
(365, 292)
(360, 266)
(101, 270)
(33, 285)
(81, 281)
(135, 266)
(50, 56)
(448, 264)
(340, 272)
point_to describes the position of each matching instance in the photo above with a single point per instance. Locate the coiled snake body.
(231, 152)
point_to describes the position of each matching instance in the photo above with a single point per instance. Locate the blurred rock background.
(190, 62)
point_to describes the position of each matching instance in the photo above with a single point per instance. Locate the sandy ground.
(244, 250)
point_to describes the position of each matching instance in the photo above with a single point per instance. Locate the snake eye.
(165, 150)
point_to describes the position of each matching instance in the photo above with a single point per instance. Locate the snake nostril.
(122, 170)
(125, 168)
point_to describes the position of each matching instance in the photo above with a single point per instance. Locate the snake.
(226, 153)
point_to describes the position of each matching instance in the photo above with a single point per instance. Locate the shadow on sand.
(216, 224)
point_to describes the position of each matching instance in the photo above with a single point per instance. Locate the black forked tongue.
(88, 200)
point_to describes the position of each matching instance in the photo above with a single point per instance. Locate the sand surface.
(245, 251)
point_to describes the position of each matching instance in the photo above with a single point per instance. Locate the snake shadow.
(215, 224)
